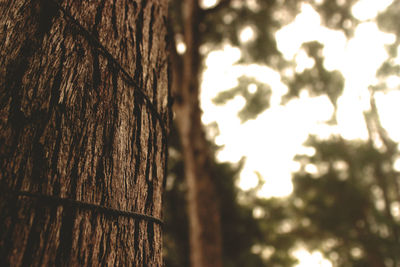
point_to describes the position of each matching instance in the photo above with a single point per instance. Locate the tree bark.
(202, 200)
(83, 116)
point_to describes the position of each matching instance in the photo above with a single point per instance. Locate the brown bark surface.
(77, 124)
(202, 199)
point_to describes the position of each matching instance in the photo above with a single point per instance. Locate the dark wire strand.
(51, 200)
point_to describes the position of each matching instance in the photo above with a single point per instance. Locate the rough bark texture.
(202, 200)
(73, 124)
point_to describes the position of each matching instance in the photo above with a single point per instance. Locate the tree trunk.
(202, 200)
(83, 119)
(384, 181)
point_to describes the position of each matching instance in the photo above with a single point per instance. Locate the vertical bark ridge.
(97, 18)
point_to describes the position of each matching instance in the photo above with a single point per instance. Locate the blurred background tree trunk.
(202, 199)
(83, 116)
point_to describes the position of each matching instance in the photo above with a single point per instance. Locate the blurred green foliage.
(256, 94)
(316, 80)
(346, 197)
(347, 203)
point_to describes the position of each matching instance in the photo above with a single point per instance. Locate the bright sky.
(270, 142)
